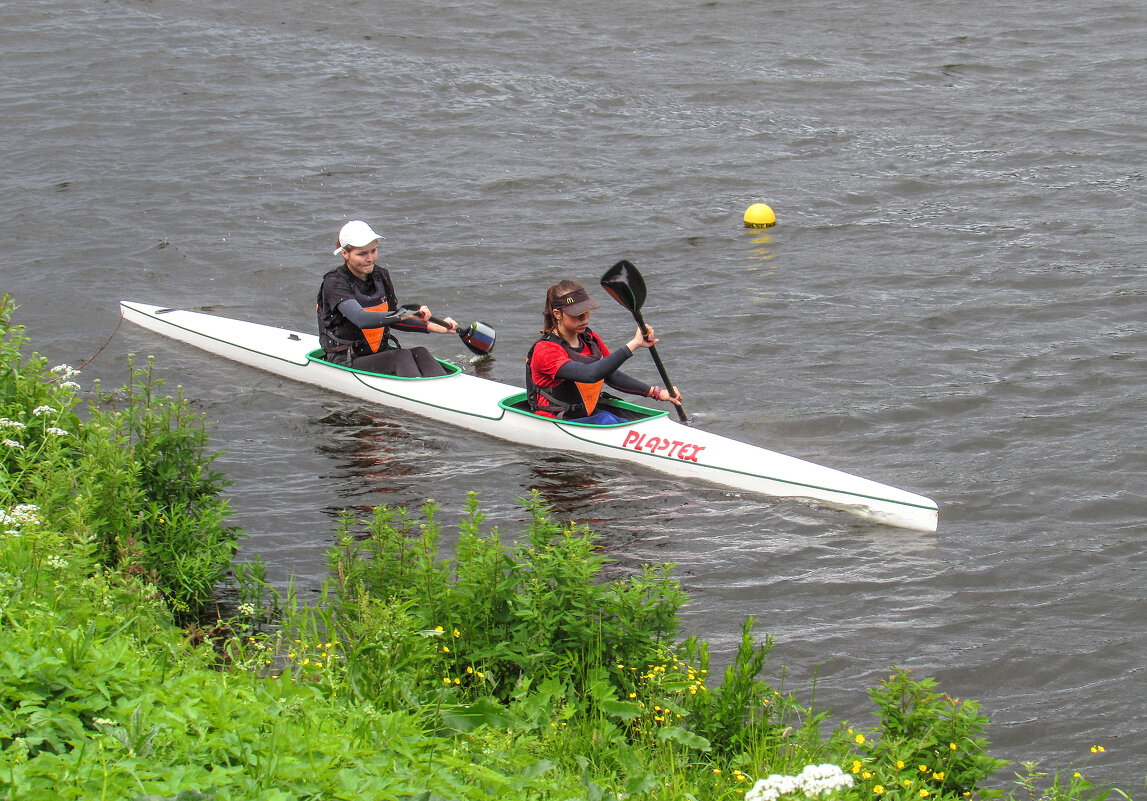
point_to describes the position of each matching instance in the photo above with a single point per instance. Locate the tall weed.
(136, 480)
(505, 613)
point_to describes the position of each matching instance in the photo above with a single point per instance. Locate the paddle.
(478, 337)
(625, 283)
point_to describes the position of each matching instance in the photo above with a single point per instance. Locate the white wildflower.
(823, 779)
(11, 443)
(72, 385)
(65, 371)
(20, 515)
(59, 432)
(42, 410)
(57, 562)
(15, 425)
(814, 781)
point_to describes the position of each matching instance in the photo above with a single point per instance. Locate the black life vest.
(341, 339)
(569, 400)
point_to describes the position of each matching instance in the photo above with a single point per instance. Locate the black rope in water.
(101, 347)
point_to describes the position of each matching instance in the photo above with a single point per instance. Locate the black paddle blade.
(625, 283)
(479, 338)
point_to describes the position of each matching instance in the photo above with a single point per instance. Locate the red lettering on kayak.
(692, 457)
(686, 451)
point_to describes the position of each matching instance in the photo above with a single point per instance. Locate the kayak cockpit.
(451, 369)
(631, 412)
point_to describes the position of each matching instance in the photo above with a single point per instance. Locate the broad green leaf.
(625, 710)
(685, 737)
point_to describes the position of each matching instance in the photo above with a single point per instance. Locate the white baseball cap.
(355, 234)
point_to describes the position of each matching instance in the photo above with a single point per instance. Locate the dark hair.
(549, 322)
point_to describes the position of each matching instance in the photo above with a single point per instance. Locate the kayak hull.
(653, 440)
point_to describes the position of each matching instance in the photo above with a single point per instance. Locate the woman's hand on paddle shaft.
(639, 340)
(438, 329)
(423, 313)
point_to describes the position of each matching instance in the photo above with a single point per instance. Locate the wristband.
(655, 393)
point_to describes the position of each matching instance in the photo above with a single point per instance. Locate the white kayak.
(650, 438)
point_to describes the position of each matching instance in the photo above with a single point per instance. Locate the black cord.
(101, 347)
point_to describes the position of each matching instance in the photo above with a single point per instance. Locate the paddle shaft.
(684, 418)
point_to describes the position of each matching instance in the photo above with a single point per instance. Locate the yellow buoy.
(759, 215)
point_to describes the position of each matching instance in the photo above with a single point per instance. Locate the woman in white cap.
(566, 367)
(357, 308)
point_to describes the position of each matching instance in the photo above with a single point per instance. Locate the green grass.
(512, 669)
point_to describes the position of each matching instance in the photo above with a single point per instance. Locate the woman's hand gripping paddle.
(625, 283)
(478, 337)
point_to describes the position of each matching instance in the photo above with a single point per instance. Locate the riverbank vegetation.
(511, 667)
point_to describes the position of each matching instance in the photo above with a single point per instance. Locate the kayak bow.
(648, 438)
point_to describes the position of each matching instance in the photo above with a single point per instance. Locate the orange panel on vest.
(589, 395)
(374, 335)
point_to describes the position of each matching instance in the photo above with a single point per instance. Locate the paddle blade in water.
(625, 284)
(479, 338)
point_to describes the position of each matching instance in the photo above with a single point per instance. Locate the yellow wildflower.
(860, 739)
(878, 789)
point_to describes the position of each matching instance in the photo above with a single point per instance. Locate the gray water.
(952, 300)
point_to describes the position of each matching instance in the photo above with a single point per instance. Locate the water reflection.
(760, 252)
(567, 484)
(372, 454)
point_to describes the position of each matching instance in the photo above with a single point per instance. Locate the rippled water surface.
(952, 301)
